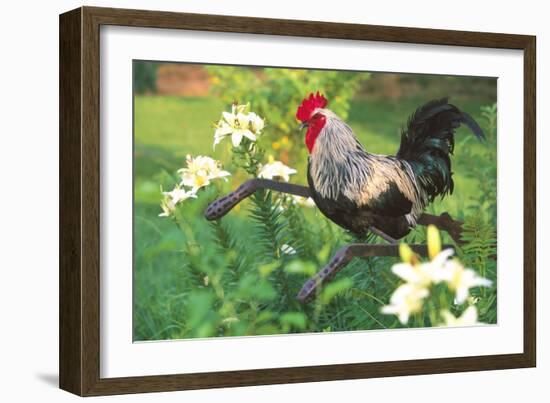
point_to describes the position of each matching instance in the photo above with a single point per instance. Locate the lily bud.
(434, 241)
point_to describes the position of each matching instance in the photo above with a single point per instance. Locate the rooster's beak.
(303, 125)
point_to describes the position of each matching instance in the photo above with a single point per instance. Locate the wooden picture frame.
(79, 346)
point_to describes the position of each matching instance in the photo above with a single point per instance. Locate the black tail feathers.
(428, 142)
(473, 126)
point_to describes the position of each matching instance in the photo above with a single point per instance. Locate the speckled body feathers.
(357, 189)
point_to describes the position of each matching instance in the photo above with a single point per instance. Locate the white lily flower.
(420, 278)
(230, 117)
(238, 124)
(468, 318)
(304, 201)
(200, 171)
(222, 130)
(198, 163)
(406, 300)
(256, 123)
(417, 275)
(423, 274)
(217, 173)
(240, 129)
(460, 279)
(442, 258)
(179, 194)
(195, 181)
(210, 166)
(276, 169)
(167, 206)
(172, 198)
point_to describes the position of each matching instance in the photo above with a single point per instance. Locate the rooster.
(364, 192)
(361, 191)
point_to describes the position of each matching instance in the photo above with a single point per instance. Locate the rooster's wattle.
(361, 191)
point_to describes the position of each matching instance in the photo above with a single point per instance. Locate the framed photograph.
(249, 201)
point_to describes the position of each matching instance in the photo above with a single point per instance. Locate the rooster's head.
(312, 115)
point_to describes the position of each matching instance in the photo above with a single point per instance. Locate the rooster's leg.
(343, 257)
(220, 207)
(383, 235)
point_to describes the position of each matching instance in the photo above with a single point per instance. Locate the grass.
(174, 265)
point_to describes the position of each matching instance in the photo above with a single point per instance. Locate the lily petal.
(229, 118)
(236, 138)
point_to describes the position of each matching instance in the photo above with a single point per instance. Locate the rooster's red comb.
(309, 104)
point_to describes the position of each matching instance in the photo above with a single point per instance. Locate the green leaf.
(251, 287)
(323, 254)
(301, 267)
(335, 288)
(265, 316)
(266, 269)
(293, 320)
(201, 319)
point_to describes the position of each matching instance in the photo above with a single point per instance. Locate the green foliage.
(145, 77)
(479, 227)
(335, 288)
(275, 94)
(293, 320)
(489, 113)
(480, 238)
(480, 252)
(480, 221)
(482, 165)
